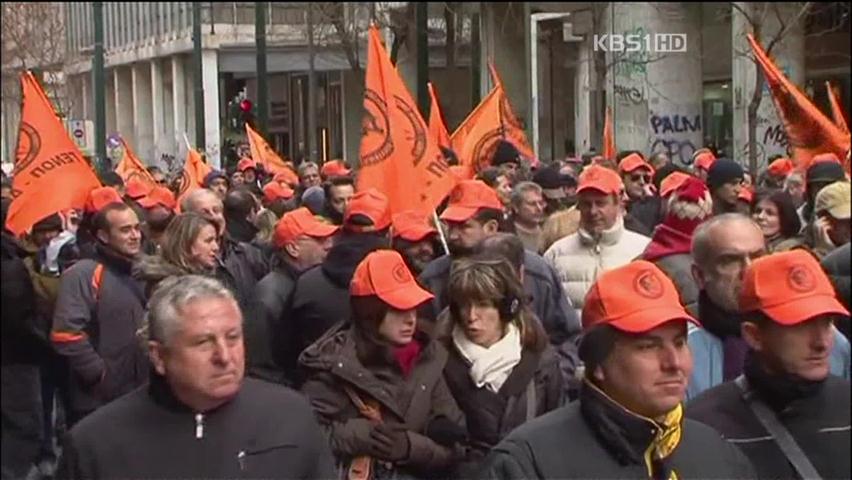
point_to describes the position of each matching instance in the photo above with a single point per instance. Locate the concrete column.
(656, 96)
(143, 112)
(168, 139)
(124, 104)
(504, 27)
(210, 77)
(180, 105)
(111, 121)
(583, 120)
(353, 114)
(789, 56)
(87, 110)
(157, 114)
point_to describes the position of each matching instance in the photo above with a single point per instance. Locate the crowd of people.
(589, 318)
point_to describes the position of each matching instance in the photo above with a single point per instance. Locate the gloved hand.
(389, 442)
(444, 431)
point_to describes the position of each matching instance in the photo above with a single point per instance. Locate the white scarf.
(490, 366)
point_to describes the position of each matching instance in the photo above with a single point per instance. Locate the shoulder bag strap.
(780, 434)
(531, 400)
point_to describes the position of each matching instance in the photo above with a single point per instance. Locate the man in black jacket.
(789, 307)
(837, 265)
(198, 417)
(303, 241)
(629, 420)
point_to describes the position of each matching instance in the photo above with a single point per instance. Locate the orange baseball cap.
(300, 222)
(467, 198)
(383, 273)
(602, 179)
(781, 167)
(374, 205)
(245, 164)
(703, 158)
(633, 162)
(287, 176)
(137, 189)
(334, 168)
(159, 196)
(635, 298)
(100, 198)
(272, 191)
(789, 287)
(672, 182)
(412, 226)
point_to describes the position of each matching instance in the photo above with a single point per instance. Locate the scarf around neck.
(667, 241)
(490, 367)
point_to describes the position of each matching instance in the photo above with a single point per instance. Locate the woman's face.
(398, 327)
(480, 322)
(205, 248)
(767, 217)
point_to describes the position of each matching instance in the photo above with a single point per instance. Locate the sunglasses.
(636, 177)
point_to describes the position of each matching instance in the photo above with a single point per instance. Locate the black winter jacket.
(837, 265)
(266, 431)
(269, 339)
(22, 342)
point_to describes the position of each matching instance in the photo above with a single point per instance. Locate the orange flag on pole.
(514, 130)
(263, 154)
(608, 137)
(130, 166)
(437, 127)
(50, 173)
(809, 131)
(836, 111)
(476, 139)
(194, 171)
(398, 156)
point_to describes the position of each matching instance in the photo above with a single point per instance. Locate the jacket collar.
(608, 238)
(113, 259)
(720, 323)
(161, 393)
(782, 392)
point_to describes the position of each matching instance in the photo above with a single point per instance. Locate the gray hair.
(172, 295)
(795, 177)
(521, 189)
(304, 166)
(701, 247)
(188, 202)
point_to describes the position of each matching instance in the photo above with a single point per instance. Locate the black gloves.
(389, 442)
(444, 431)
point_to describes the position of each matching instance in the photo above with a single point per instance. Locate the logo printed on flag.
(375, 130)
(29, 146)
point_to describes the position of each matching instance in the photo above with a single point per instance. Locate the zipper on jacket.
(199, 425)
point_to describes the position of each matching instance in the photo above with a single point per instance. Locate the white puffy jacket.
(579, 259)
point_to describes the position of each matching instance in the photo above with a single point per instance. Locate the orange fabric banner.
(194, 171)
(836, 110)
(476, 139)
(514, 130)
(437, 127)
(809, 131)
(50, 173)
(130, 166)
(263, 154)
(398, 156)
(608, 137)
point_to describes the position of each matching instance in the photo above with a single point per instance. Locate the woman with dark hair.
(376, 382)
(501, 368)
(775, 213)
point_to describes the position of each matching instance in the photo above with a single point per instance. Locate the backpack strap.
(361, 467)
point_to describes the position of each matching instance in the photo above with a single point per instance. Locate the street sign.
(83, 134)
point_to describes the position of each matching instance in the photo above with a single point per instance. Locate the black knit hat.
(505, 153)
(829, 172)
(549, 178)
(722, 172)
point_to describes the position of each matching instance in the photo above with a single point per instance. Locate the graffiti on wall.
(627, 95)
(676, 135)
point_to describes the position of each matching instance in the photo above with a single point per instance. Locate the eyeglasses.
(636, 177)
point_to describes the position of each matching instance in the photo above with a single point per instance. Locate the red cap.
(100, 198)
(287, 176)
(383, 273)
(672, 182)
(781, 167)
(467, 198)
(703, 158)
(602, 179)
(245, 164)
(635, 298)
(272, 191)
(137, 189)
(334, 168)
(789, 287)
(159, 196)
(633, 162)
(412, 226)
(372, 204)
(746, 195)
(300, 222)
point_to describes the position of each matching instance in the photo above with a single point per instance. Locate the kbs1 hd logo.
(648, 43)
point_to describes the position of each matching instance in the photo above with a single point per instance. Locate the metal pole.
(262, 90)
(99, 88)
(200, 129)
(475, 60)
(312, 89)
(552, 115)
(421, 15)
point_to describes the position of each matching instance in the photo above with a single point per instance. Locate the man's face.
(728, 193)
(504, 189)
(636, 183)
(312, 251)
(237, 179)
(419, 254)
(801, 350)
(249, 175)
(341, 195)
(204, 360)
(510, 169)
(159, 178)
(462, 237)
(839, 230)
(598, 211)
(310, 178)
(648, 373)
(796, 189)
(733, 246)
(123, 235)
(210, 207)
(219, 187)
(531, 209)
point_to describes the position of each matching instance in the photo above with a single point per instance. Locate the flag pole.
(440, 228)
(186, 139)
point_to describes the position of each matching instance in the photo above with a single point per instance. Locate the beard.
(457, 250)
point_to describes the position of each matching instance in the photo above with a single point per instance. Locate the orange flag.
(194, 171)
(263, 154)
(476, 139)
(130, 166)
(809, 131)
(398, 156)
(437, 127)
(50, 173)
(836, 111)
(608, 137)
(514, 130)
